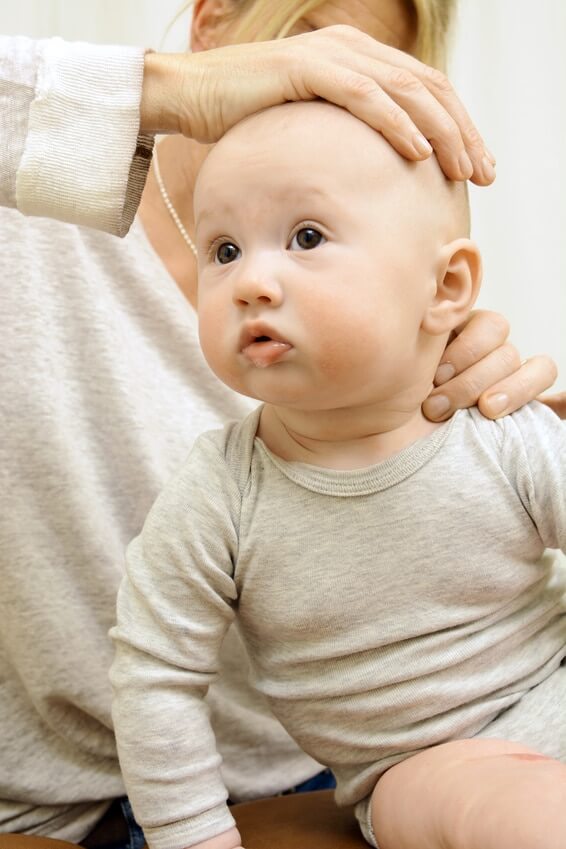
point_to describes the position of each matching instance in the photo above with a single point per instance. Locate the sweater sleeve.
(534, 459)
(174, 608)
(70, 147)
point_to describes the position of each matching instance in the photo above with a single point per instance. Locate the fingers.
(203, 94)
(481, 334)
(428, 97)
(556, 402)
(468, 387)
(402, 98)
(480, 367)
(365, 99)
(483, 162)
(496, 389)
(531, 378)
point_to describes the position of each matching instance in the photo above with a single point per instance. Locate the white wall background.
(509, 65)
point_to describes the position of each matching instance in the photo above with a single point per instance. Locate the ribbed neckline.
(364, 481)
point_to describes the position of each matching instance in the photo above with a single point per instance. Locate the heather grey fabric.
(104, 390)
(384, 610)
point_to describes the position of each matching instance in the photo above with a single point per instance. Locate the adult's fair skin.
(390, 90)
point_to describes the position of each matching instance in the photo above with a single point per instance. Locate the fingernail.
(444, 372)
(465, 164)
(436, 406)
(490, 156)
(488, 170)
(497, 404)
(421, 145)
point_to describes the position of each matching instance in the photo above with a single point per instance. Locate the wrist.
(159, 105)
(227, 840)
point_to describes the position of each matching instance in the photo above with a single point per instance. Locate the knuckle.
(468, 389)
(466, 352)
(447, 129)
(546, 365)
(499, 324)
(343, 32)
(434, 78)
(403, 80)
(520, 385)
(509, 357)
(472, 137)
(395, 118)
(360, 87)
(494, 323)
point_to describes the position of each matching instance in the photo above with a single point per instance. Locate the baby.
(387, 574)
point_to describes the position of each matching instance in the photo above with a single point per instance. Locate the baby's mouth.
(263, 349)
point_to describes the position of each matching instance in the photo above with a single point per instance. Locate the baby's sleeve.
(534, 458)
(174, 607)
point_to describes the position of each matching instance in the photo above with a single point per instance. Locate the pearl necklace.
(170, 208)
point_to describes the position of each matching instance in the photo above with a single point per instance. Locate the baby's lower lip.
(264, 354)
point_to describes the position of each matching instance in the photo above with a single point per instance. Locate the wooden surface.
(298, 821)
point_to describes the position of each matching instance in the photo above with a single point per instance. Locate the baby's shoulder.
(230, 447)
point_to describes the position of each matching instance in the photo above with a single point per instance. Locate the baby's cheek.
(213, 335)
(346, 342)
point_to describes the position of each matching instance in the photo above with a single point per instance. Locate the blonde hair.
(434, 21)
(263, 20)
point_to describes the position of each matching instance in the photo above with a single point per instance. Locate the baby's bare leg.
(472, 794)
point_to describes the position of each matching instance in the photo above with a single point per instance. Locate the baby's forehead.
(309, 131)
(321, 147)
(313, 145)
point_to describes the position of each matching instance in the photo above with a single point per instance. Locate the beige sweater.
(104, 390)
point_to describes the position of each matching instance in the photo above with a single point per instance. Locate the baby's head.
(331, 270)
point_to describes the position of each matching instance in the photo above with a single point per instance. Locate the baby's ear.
(458, 280)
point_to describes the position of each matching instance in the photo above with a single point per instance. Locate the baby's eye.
(306, 239)
(226, 252)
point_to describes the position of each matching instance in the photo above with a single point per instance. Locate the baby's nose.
(257, 288)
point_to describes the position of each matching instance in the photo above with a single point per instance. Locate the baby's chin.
(268, 387)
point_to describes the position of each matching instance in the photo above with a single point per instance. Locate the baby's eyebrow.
(300, 194)
(214, 212)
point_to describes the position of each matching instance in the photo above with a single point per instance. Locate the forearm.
(171, 622)
(167, 752)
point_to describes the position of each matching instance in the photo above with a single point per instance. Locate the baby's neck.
(344, 438)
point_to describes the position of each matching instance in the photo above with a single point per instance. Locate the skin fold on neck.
(345, 438)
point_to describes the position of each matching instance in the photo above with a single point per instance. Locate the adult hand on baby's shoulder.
(480, 366)
(203, 94)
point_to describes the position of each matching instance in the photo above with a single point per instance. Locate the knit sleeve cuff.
(181, 834)
(84, 161)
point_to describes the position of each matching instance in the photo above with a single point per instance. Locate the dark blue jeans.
(322, 781)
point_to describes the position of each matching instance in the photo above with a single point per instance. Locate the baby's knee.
(445, 790)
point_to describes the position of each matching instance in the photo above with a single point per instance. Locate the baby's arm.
(174, 607)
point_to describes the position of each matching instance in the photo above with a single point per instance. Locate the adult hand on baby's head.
(203, 94)
(481, 367)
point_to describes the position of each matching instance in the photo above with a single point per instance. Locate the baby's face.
(314, 271)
